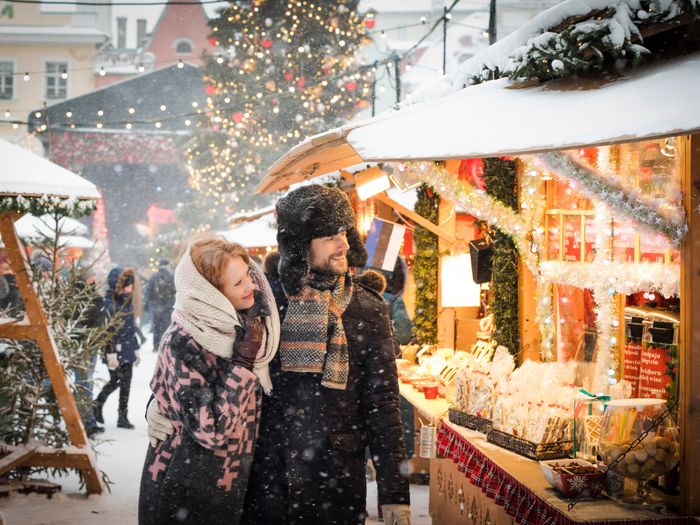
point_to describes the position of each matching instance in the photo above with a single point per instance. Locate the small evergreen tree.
(28, 407)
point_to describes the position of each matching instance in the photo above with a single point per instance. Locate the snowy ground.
(121, 453)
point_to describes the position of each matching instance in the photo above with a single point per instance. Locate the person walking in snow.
(213, 360)
(160, 298)
(123, 299)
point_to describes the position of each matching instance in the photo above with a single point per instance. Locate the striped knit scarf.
(313, 338)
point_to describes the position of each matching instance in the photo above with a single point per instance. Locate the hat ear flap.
(357, 254)
(293, 265)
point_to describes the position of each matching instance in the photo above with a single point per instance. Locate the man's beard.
(328, 268)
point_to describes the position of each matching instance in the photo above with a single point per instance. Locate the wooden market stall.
(29, 183)
(608, 173)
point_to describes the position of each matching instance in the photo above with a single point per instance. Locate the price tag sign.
(428, 438)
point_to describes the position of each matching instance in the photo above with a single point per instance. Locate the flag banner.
(383, 244)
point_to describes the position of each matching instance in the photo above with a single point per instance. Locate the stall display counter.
(473, 481)
(430, 410)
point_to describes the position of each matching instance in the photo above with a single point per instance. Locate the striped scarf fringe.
(307, 344)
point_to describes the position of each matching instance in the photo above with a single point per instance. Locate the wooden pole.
(39, 331)
(689, 378)
(447, 220)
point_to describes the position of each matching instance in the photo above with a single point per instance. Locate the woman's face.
(238, 286)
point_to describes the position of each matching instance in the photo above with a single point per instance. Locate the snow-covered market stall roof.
(495, 118)
(24, 174)
(258, 233)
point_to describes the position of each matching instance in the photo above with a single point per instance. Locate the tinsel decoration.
(501, 180)
(425, 269)
(477, 203)
(528, 236)
(622, 277)
(669, 222)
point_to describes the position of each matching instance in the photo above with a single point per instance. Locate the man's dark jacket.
(309, 464)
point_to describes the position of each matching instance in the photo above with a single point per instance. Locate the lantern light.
(370, 182)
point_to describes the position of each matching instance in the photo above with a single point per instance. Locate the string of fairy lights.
(141, 66)
(265, 72)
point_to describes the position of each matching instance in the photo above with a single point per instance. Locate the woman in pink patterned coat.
(212, 366)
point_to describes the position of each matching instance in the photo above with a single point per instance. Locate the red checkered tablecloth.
(518, 501)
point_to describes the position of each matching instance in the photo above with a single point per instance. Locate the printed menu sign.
(655, 371)
(632, 356)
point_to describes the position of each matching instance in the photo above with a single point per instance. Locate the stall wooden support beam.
(409, 214)
(39, 331)
(81, 458)
(446, 324)
(17, 457)
(689, 409)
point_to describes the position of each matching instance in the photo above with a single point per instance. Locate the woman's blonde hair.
(210, 256)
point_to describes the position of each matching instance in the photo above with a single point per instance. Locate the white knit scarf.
(206, 315)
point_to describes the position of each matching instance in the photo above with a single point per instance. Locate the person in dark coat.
(393, 295)
(403, 330)
(94, 317)
(122, 300)
(210, 370)
(160, 299)
(336, 386)
(11, 301)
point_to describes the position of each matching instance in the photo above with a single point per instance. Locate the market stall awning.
(30, 226)
(494, 119)
(259, 233)
(26, 174)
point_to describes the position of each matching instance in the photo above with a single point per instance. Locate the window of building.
(183, 47)
(56, 80)
(7, 85)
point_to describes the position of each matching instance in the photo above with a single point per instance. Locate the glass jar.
(639, 440)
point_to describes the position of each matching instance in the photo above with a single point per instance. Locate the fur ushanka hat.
(308, 213)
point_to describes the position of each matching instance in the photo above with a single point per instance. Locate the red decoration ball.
(351, 85)
(369, 23)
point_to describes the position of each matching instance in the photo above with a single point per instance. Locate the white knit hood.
(210, 318)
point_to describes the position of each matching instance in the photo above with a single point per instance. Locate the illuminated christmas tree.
(285, 70)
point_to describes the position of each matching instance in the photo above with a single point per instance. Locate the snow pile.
(610, 26)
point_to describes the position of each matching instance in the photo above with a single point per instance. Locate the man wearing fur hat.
(335, 387)
(335, 382)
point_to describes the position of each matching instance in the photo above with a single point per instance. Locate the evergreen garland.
(604, 40)
(425, 269)
(500, 178)
(47, 204)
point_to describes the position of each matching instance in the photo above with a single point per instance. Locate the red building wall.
(176, 23)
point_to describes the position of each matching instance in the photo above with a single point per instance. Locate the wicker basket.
(470, 421)
(538, 451)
